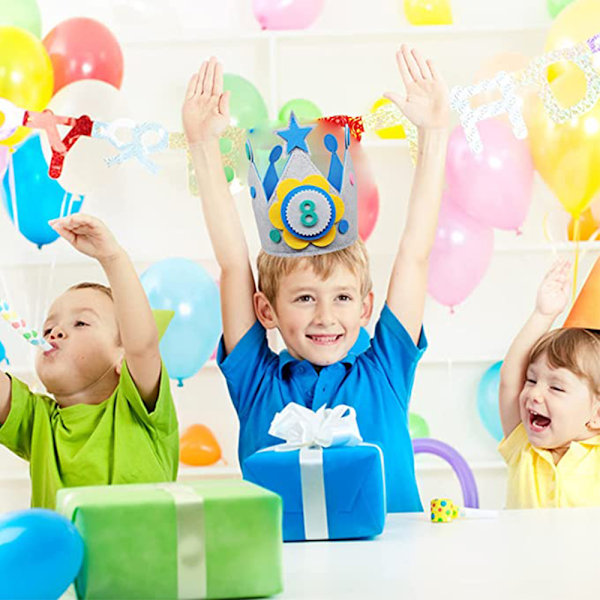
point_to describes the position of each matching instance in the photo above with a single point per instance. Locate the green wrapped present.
(207, 539)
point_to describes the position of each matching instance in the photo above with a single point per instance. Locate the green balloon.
(304, 110)
(21, 13)
(417, 426)
(246, 106)
(556, 6)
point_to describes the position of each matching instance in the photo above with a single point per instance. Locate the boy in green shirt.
(112, 418)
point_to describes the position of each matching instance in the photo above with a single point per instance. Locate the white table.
(525, 554)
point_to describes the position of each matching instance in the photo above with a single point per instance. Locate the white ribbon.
(311, 431)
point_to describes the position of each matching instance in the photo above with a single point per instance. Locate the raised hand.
(553, 293)
(205, 110)
(88, 235)
(426, 100)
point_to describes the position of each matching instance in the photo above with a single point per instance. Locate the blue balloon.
(181, 285)
(38, 197)
(40, 554)
(487, 401)
(3, 356)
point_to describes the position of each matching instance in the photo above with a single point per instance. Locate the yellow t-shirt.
(534, 481)
(116, 441)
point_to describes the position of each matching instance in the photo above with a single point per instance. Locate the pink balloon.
(286, 14)
(460, 256)
(4, 158)
(494, 187)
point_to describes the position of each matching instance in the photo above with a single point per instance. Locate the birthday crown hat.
(302, 212)
(586, 309)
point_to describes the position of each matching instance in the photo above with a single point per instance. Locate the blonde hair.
(272, 268)
(572, 348)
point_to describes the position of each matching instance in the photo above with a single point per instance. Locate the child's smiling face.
(557, 407)
(82, 328)
(319, 319)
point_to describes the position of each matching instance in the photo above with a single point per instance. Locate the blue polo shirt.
(376, 381)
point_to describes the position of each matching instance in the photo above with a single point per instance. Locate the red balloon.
(83, 48)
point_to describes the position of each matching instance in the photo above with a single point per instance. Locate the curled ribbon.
(301, 427)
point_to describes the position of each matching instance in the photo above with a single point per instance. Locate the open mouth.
(325, 340)
(538, 422)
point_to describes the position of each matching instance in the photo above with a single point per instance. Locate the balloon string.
(576, 259)
(13, 190)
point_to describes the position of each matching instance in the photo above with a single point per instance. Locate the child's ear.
(119, 363)
(367, 309)
(265, 312)
(594, 422)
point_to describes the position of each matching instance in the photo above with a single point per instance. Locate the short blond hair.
(573, 348)
(91, 285)
(272, 268)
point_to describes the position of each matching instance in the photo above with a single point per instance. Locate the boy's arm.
(551, 300)
(5, 394)
(426, 105)
(137, 328)
(205, 117)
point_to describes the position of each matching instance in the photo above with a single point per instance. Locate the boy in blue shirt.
(317, 290)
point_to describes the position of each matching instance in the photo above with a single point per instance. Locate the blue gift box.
(328, 493)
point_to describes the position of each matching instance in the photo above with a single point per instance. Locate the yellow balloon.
(567, 155)
(578, 22)
(26, 76)
(428, 12)
(388, 133)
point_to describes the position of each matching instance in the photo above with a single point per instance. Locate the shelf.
(403, 31)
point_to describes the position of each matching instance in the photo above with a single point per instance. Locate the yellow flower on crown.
(306, 212)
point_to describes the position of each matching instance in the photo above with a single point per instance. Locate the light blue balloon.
(38, 197)
(40, 554)
(183, 286)
(487, 401)
(3, 357)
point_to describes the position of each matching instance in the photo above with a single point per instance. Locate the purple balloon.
(495, 186)
(286, 14)
(460, 256)
(457, 462)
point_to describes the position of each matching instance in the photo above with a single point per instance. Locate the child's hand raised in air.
(206, 107)
(553, 293)
(426, 101)
(88, 235)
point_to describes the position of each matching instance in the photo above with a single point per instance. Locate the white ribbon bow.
(301, 427)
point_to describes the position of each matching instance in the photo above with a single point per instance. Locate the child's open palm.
(206, 107)
(426, 100)
(88, 235)
(553, 293)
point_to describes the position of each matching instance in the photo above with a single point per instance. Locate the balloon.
(588, 226)
(85, 168)
(3, 357)
(185, 287)
(567, 154)
(461, 253)
(305, 111)
(24, 14)
(494, 186)
(286, 14)
(41, 553)
(37, 198)
(556, 6)
(457, 462)
(417, 426)
(82, 48)
(199, 447)
(246, 105)
(26, 77)
(388, 133)
(576, 23)
(487, 401)
(428, 12)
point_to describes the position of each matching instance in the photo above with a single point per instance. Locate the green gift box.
(207, 539)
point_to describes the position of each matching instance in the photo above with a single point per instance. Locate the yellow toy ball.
(443, 510)
(26, 75)
(428, 12)
(388, 133)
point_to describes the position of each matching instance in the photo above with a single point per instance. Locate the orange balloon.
(587, 226)
(198, 446)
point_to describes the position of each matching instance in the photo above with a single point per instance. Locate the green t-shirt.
(116, 441)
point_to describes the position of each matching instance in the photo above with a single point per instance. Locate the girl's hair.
(272, 268)
(572, 348)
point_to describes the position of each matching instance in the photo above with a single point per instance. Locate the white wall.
(343, 64)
